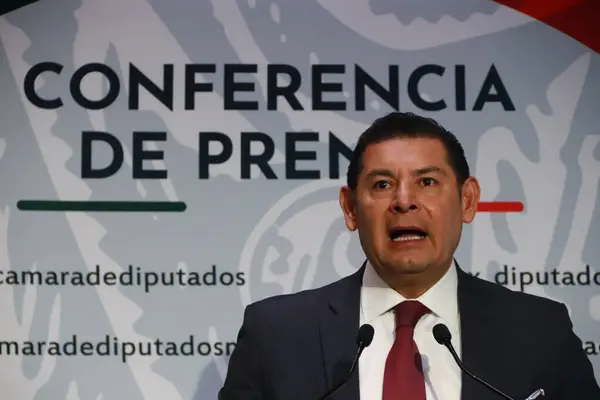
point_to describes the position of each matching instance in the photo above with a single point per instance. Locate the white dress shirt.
(442, 375)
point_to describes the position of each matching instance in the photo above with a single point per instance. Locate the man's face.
(408, 207)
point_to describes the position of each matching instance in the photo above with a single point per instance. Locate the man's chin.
(410, 270)
(407, 267)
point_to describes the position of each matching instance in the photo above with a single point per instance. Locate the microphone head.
(365, 335)
(442, 334)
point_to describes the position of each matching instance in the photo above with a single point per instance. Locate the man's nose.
(404, 200)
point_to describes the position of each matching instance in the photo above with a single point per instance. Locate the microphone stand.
(536, 394)
(442, 336)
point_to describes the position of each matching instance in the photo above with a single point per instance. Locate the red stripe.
(500, 206)
(540, 9)
(576, 18)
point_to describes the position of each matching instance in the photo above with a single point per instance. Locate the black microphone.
(444, 337)
(363, 340)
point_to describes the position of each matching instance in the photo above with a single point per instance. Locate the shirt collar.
(378, 298)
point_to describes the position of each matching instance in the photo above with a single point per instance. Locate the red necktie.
(403, 378)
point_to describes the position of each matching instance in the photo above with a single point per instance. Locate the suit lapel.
(481, 347)
(338, 324)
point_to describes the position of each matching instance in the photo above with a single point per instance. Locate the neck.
(414, 285)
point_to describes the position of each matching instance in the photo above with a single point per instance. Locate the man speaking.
(410, 324)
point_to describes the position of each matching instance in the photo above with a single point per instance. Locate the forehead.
(405, 154)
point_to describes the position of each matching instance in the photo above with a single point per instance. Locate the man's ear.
(348, 205)
(470, 199)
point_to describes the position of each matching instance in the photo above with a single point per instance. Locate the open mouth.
(407, 234)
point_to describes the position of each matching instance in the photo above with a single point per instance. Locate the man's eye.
(427, 181)
(381, 184)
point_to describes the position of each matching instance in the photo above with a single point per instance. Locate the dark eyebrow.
(429, 170)
(419, 172)
(380, 172)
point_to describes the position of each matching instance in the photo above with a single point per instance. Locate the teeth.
(406, 238)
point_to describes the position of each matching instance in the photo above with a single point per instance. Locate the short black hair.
(408, 125)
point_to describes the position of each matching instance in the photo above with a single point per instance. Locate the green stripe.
(101, 206)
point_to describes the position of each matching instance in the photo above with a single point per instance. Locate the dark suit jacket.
(297, 346)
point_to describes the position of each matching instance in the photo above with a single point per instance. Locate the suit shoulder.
(522, 301)
(297, 304)
(298, 300)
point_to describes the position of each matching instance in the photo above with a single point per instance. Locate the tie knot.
(409, 312)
